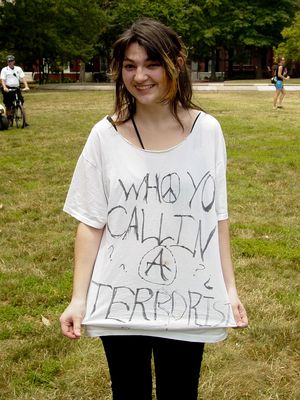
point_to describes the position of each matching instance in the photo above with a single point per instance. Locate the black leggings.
(177, 367)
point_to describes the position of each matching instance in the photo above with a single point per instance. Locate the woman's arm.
(86, 248)
(280, 73)
(238, 309)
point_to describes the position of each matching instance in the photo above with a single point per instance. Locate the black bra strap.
(109, 118)
(195, 121)
(137, 133)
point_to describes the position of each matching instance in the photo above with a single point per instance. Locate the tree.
(54, 30)
(122, 13)
(62, 30)
(290, 47)
(255, 24)
(212, 29)
(206, 25)
(258, 24)
(77, 30)
(27, 28)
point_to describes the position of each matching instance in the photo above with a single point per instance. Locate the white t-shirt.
(12, 76)
(158, 270)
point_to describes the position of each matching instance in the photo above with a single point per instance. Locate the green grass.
(36, 250)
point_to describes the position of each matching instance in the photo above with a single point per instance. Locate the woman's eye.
(154, 65)
(128, 67)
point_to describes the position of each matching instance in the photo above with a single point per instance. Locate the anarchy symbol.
(158, 266)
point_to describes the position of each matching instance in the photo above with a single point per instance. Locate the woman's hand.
(71, 318)
(86, 247)
(239, 312)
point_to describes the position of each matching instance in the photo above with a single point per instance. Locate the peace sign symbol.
(170, 187)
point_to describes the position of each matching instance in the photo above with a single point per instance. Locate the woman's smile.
(144, 87)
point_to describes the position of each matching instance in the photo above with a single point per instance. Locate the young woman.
(281, 75)
(153, 271)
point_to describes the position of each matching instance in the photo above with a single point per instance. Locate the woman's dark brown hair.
(161, 44)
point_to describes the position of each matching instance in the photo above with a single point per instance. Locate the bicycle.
(17, 110)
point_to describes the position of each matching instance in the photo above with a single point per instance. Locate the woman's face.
(144, 78)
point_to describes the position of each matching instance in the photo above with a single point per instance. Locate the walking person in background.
(153, 272)
(11, 77)
(281, 75)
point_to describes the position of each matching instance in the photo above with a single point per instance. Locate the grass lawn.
(36, 250)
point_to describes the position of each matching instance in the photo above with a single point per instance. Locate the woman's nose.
(140, 74)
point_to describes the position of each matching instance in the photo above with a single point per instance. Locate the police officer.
(11, 77)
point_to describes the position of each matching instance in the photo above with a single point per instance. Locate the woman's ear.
(180, 63)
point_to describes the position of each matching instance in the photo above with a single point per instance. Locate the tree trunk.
(230, 64)
(82, 72)
(258, 71)
(41, 71)
(213, 76)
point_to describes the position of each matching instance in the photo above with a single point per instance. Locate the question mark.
(112, 250)
(123, 267)
(201, 267)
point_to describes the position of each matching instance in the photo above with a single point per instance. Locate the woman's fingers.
(240, 316)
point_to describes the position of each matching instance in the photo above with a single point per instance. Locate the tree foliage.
(290, 47)
(50, 29)
(28, 28)
(68, 29)
(123, 13)
(257, 23)
(77, 28)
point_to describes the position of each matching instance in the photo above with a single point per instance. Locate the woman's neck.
(154, 112)
(158, 127)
